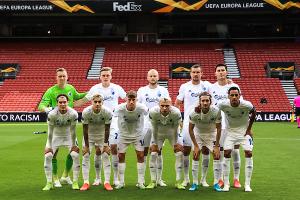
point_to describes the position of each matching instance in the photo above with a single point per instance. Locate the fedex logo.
(129, 7)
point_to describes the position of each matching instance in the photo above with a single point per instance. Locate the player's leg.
(248, 147)
(122, 165)
(228, 146)
(139, 149)
(178, 163)
(217, 172)
(160, 165)
(106, 170)
(147, 142)
(187, 147)
(195, 171)
(98, 166)
(76, 166)
(153, 167)
(113, 142)
(236, 166)
(205, 163)
(54, 170)
(85, 168)
(223, 136)
(48, 169)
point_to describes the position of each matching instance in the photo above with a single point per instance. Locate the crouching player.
(205, 122)
(96, 121)
(61, 133)
(165, 120)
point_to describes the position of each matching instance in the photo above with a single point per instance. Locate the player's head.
(131, 99)
(205, 100)
(234, 96)
(61, 76)
(97, 102)
(152, 76)
(105, 75)
(62, 102)
(221, 71)
(165, 105)
(196, 73)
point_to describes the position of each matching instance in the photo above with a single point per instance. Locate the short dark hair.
(196, 66)
(205, 94)
(62, 95)
(234, 88)
(220, 65)
(131, 94)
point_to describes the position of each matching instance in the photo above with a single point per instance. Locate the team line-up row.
(216, 120)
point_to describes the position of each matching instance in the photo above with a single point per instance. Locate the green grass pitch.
(276, 168)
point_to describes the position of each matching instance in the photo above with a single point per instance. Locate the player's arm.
(86, 138)
(106, 137)
(49, 138)
(45, 104)
(192, 135)
(78, 95)
(251, 121)
(80, 102)
(155, 128)
(217, 144)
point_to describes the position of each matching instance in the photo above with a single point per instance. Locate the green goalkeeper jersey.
(49, 98)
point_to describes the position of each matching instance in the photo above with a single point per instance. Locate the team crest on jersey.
(112, 91)
(69, 94)
(159, 94)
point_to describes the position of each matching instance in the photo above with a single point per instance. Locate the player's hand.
(75, 149)
(196, 152)
(106, 149)
(48, 150)
(154, 148)
(178, 147)
(216, 152)
(85, 150)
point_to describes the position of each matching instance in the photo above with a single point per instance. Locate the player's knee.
(75, 155)
(205, 151)
(121, 157)
(49, 156)
(86, 156)
(154, 153)
(227, 153)
(114, 149)
(186, 150)
(97, 151)
(248, 154)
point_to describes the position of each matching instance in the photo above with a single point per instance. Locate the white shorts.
(138, 144)
(147, 136)
(186, 140)
(161, 139)
(94, 143)
(204, 142)
(222, 138)
(245, 141)
(61, 142)
(113, 136)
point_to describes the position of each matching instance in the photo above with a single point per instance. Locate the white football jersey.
(189, 93)
(131, 123)
(96, 121)
(205, 124)
(219, 93)
(150, 97)
(110, 94)
(166, 125)
(236, 118)
(62, 122)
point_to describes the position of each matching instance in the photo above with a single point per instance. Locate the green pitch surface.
(276, 168)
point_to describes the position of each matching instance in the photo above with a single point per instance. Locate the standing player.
(238, 127)
(111, 93)
(47, 103)
(149, 95)
(131, 124)
(61, 133)
(188, 94)
(219, 93)
(297, 108)
(96, 121)
(165, 120)
(205, 122)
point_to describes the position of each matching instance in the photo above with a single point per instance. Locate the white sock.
(236, 163)
(222, 163)
(76, 165)
(98, 165)
(195, 171)
(248, 170)
(121, 169)
(48, 166)
(106, 167)
(159, 167)
(115, 161)
(86, 167)
(217, 171)
(178, 165)
(226, 170)
(186, 166)
(205, 163)
(153, 165)
(141, 170)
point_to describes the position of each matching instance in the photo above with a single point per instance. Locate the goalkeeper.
(47, 103)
